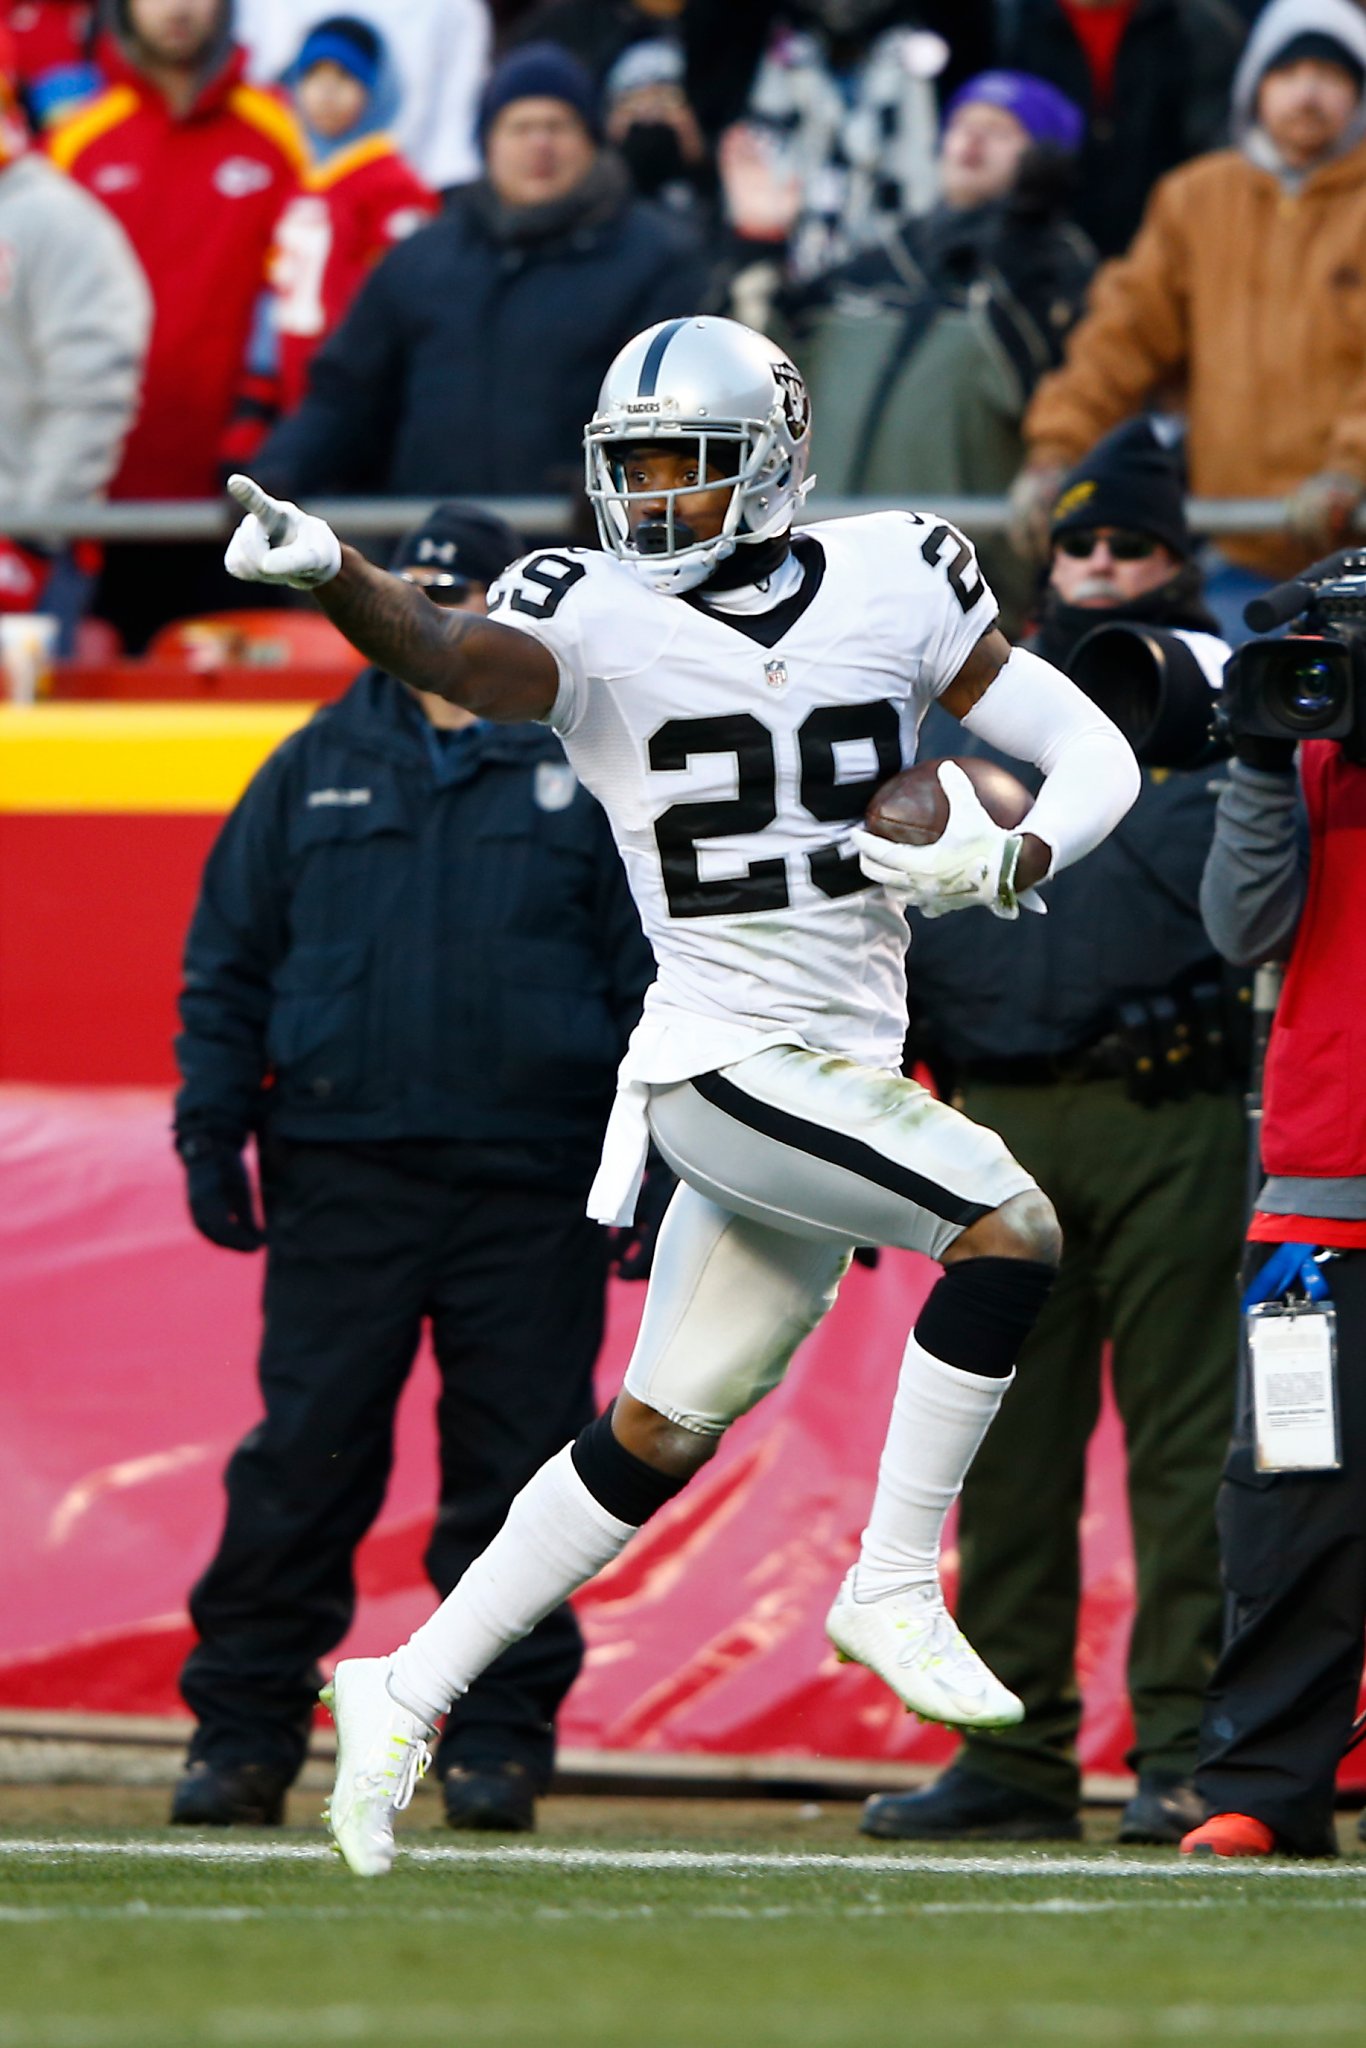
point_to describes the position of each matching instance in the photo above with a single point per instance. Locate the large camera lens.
(1311, 692)
(1152, 683)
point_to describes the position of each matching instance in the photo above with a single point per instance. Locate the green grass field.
(644, 1924)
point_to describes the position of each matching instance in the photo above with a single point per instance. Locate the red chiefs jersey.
(199, 196)
(351, 210)
(47, 34)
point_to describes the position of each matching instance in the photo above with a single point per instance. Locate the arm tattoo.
(401, 630)
(396, 626)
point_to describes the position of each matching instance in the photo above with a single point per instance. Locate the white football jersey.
(733, 754)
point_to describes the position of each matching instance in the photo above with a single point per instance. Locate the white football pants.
(788, 1160)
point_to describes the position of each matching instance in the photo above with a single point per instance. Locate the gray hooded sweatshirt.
(1277, 27)
(75, 318)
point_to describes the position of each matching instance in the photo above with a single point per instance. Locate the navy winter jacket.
(401, 935)
(1123, 923)
(470, 361)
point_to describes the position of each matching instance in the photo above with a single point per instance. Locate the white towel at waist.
(667, 1046)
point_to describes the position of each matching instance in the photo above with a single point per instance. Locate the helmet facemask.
(713, 386)
(758, 458)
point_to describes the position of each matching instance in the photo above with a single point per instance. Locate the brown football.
(913, 810)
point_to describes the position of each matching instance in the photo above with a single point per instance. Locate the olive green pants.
(1150, 1202)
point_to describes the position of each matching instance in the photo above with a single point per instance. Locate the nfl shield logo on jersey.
(775, 674)
(555, 785)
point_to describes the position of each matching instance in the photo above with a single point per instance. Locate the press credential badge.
(1293, 1353)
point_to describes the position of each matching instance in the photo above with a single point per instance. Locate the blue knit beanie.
(342, 40)
(539, 71)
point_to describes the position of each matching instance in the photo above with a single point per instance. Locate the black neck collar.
(768, 628)
(748, 564)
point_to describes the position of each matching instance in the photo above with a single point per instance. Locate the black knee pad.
(617, 1479)
(980, 1312)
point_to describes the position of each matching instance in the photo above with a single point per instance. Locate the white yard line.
(265, 2026)
(142, 1912)
(137, 1912)
(1039, 1863)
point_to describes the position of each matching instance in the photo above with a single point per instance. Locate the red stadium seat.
(255, 639)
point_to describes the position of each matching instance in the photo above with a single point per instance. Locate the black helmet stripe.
(654, 357)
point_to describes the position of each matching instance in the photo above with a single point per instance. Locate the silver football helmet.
(714, 382)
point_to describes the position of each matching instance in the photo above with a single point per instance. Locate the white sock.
(939, 1418)
(556, 1537)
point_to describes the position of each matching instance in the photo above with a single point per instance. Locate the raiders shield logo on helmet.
(796, 404)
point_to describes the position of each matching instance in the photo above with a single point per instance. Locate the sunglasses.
(437, 584)
(1125, 547)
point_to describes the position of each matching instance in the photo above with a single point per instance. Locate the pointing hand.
(277, 543)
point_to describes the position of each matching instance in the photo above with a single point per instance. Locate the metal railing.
(383, 518)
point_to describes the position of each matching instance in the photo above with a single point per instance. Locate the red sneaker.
(1229, 1834)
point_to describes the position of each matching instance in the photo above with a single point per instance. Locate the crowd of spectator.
(914, 197)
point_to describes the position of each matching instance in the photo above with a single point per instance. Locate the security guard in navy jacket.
(411, 973)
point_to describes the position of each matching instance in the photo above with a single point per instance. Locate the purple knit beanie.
(1047, 115)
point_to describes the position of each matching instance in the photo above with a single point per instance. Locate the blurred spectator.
(360, 197)
(726, 43)
(473, 354)
(440, 50)
(647, 119)
(54, 56)
(75, 314)
(836, 145)
(1065, 1036)
(1248, 280)
(416, 926)
(597, 32)
(197, 167)
(1153, 77)
(921, 356)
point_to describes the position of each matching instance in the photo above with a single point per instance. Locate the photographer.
(1093, 1040)
(1284, 882)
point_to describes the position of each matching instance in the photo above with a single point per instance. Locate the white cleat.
(381, 1753)
(913, 1644)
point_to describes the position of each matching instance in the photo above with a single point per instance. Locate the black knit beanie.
(1130, 479)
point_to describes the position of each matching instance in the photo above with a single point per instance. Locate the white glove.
(277, 543)
(973, 860)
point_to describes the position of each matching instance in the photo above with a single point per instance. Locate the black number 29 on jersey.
(764, 886)
(543, 583)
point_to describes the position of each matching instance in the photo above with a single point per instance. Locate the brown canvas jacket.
(1257, 298)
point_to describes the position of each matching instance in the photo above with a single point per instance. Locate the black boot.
(229, 1795)
(1164, 1810)
(496, 1798)
(963, 1807)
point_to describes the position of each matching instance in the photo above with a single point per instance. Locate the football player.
(734, 691)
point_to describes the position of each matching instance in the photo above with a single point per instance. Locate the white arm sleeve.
(1032, 711)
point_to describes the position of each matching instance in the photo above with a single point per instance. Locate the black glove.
(219, 1192)
(633, 1246)
(1255, 750)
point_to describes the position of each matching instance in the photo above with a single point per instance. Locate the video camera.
(1161, 694)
